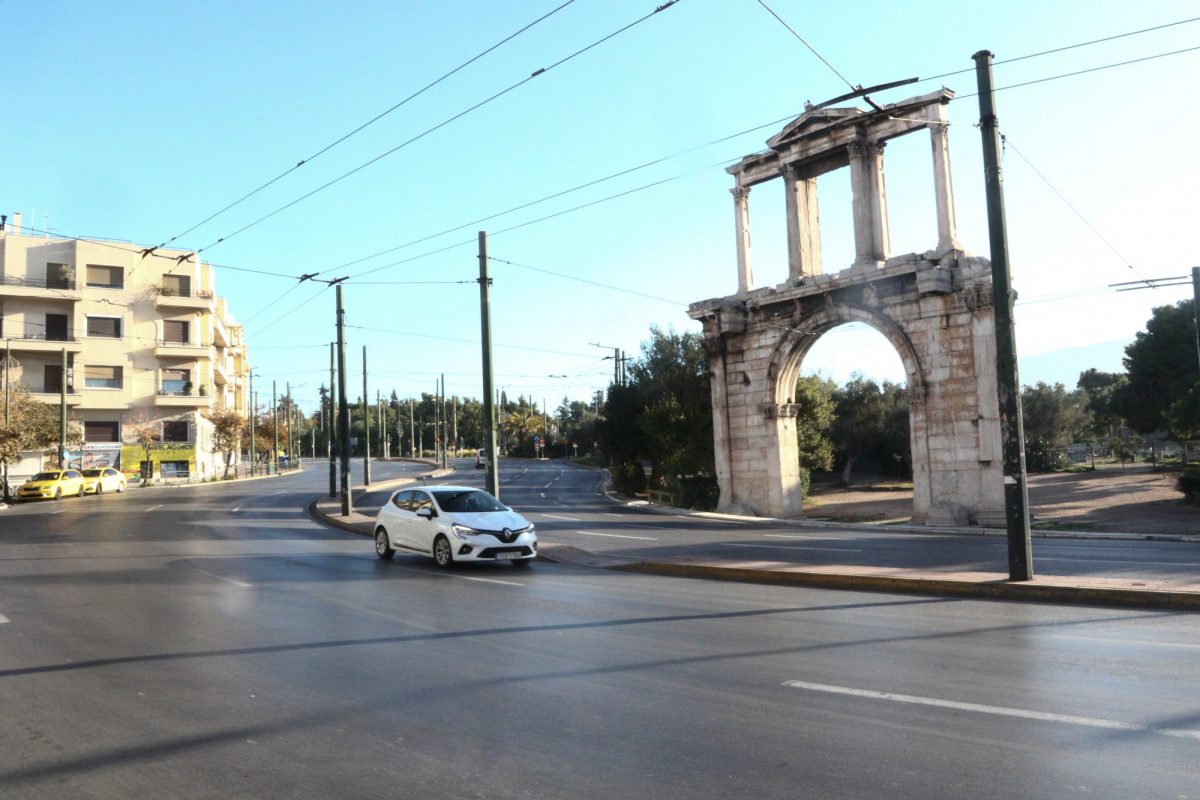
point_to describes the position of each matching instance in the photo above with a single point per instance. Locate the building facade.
(150, 351)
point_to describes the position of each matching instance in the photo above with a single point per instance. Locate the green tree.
(1103, 391)
(1183, 416)
(1053, 418)
(814, 419)
(1162, 368)
(228, 428)
(872, 419)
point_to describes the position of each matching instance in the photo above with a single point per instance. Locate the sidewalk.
(948, 583)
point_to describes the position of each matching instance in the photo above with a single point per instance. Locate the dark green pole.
(1008, 386)
(332, 426)
(62, 415)
(489, 409)
(366, 425)
(343, 407)
(253, 415)
(1196, 305)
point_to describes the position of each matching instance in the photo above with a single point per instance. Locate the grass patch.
(1062, 526)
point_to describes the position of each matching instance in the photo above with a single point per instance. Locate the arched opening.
(854, 432)
(878, 429)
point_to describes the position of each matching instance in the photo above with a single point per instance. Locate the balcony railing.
(167, 291)
(68, 284)
(42, 337)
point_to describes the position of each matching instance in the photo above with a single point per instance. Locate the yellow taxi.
(55, 484)
(98, 480)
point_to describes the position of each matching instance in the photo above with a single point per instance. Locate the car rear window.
(45, 476)
(91, 473)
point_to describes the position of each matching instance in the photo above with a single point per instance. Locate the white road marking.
(791, 547)
(236, 510)
(618, 536)
(153, 508)
(543, 494)
(797, 536)
(1124, 641)
(3, 619)
(218, 577)
(481, 580)
(569, 519)
(1021, 713)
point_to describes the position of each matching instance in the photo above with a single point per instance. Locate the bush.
(699, 492)
(1189, 483)
(629, 478)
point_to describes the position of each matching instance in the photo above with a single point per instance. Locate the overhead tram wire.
(1005, 141)
(809, 46)
(469, 341)
(368, 123)
(589, 282)
(1066, 47)
(459, 115)
(564, 192)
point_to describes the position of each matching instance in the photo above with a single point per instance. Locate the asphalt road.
(214, 642)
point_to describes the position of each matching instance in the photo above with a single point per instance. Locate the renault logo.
(508, 534)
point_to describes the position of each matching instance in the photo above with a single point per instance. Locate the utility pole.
(274, 468)
(1196, 307)
(253, 415)
(62, 414)
(291, 422)
(366, 425)
(445, 427)
(455, 419)
(492, 480)
(8, 365)
(412, 430)
(383, 448)
(332, 426)
(343, 408)
(1008, 386)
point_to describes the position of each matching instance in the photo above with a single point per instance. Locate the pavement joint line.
(1020, 713)
(218, 577)
(792, 547)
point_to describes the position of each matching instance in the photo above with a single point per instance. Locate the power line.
(442, 124)
(590, 283)
(369, 122)
(809, 46)
(467, 341)
(1070, 205)
(1067, 47)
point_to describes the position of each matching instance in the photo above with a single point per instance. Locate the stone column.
(741, 217)
(943, 189)
(803, 223)
(871, 243)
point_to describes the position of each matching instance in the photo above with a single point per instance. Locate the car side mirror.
(425, 512)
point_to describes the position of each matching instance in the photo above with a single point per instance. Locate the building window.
(99, 377)
(104, 327)
(99, 277)
(177, 285)
(57, 328)
(52, 378)
(94, 431)
(173, 469)
(60, 276)
(176, 381)
(175, 331)
(177, 431)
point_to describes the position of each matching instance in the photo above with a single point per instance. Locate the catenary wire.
(809, 46)
(368, 123)
(441, 125)
(589, 282)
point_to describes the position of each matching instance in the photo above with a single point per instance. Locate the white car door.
(421, 530)
(396, 518)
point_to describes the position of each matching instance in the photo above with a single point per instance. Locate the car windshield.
(45, 476)
(467, 500)
(91, 473)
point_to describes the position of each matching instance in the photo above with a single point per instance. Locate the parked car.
(99, 480)
(480, 458)
(452, 524)
(55, 484)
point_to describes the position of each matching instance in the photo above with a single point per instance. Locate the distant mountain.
(1063, 366)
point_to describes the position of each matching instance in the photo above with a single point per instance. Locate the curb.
(986, 590)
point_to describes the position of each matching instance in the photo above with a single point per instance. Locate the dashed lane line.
(618, 536)
(569, 519)
(1002, 711)
(218, 577)
(791, 547)
(154, 508)
(3, 619)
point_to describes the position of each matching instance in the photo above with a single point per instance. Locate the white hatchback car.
(452, 524)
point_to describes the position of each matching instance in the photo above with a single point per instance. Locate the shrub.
(1189, 483)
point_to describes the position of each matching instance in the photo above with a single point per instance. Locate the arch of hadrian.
(934, 307)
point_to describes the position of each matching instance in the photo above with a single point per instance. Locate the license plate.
(503, 556)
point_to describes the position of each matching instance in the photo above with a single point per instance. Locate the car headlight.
(462, 531)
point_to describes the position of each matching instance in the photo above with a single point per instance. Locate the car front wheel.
(383, 548)
(58, 494)
(441, 552)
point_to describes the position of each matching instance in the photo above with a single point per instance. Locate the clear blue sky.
(137, 120)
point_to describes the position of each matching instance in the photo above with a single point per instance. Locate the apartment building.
(148, 347)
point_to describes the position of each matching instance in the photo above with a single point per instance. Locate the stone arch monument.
(934, 307)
